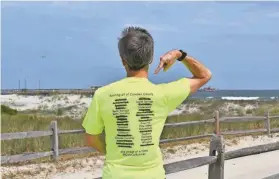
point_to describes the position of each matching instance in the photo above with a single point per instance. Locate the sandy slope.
(250, 167)
(76, 105)
(91, 167)
(256, 166)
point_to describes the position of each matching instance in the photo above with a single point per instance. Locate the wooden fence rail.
(35, 134)
(217, 157)
(276, 176)
(54, 132)
(215, 162)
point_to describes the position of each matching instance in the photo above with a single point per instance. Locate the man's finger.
(161, 65)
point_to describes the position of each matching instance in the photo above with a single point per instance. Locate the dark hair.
(136, 47)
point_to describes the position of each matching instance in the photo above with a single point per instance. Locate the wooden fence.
(215, 162)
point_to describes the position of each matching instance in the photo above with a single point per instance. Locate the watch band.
(184, 54)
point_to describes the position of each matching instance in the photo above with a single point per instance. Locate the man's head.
(136, 48)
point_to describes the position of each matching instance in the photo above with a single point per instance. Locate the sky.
(74, 44)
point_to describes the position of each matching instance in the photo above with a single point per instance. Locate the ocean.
(218, 95)
(238, 95)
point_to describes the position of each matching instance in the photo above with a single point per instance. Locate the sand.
(250, 167)
(255, 166)
(75, 106)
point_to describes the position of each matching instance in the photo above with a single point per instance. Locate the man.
(133, 111)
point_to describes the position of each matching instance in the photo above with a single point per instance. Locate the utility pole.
(18, 84)
(25, 85)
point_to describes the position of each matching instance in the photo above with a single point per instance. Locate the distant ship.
(208, 89)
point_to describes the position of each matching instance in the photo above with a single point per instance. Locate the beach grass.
(19, 122)
(27, 122)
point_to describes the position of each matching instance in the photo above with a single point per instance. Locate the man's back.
(133, 112)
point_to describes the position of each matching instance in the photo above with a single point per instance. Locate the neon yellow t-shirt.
(133, 112)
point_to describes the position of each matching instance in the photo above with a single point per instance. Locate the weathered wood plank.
(77, 150)
(89, 149)
(179, 124)
(243, 132)
(274, 130)
(216, 123)
(76, 131)
(217, 147)
(33, 134)
(23, 135)
(267, 123)
(188, 164)
(185, 138)
(276, 176)
(24, 157)
(54, 140)
(252, 150)
(274, 117)
(242, 119)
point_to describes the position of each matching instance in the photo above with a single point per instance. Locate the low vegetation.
(27, 122)
(13, 121)
(7, 110)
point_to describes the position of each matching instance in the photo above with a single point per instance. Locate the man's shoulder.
(105, 89)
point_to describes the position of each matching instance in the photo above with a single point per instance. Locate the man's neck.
(138, 74)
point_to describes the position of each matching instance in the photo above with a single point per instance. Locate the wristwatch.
(184, 54)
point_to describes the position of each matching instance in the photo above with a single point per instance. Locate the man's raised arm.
(201, 74)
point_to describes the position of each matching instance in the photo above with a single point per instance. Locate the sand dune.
(75, 106)
(251, 167)
(257, 166)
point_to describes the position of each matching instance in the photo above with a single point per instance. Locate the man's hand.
(201, 74)
(97, 142)
(167, 60)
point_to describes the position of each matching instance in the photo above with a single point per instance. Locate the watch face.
(183, 55)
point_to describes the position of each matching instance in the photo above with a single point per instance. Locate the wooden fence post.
(267, 122)
(216, 170)
(217, 123)
(54, 140)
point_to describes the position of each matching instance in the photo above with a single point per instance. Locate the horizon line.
(16, 89)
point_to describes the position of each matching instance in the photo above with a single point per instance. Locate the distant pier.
(47, 92)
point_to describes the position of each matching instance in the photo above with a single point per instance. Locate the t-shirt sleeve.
(93, 123)
(176, 92)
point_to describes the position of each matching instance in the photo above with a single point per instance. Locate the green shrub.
(59, 112)
(7, 110)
